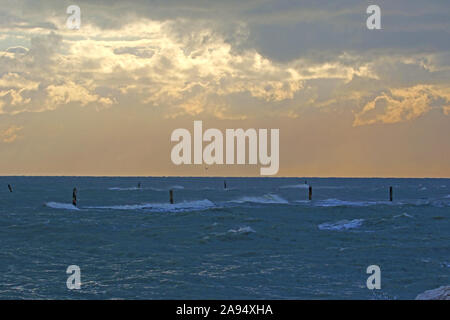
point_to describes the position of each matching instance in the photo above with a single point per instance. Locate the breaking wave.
(242, 230)
(176, 187)
(340, 203)
(347, 203)
(58, 205)
(425, 202)
(296, 186)
(341, 225)
(166, 188)
(265, 199)
(124, 189)
(404, 215)
(195, 205)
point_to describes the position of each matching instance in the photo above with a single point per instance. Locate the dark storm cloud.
(281, 29)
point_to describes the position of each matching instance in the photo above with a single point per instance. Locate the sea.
(258, 238)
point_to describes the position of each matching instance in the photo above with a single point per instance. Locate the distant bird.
(10, 188)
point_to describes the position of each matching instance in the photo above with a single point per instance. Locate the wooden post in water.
(74, 197)
(171, 196)
(310, 193)
(390, 194)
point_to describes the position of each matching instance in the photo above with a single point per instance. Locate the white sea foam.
(340, 203)
(156, 189)
(404, 214)
(163, 207)
(265, 199)
(295, 186)
(124, 207)
(341, 225)
(242, 230)
(124, 189)
(58, 205)
(419, 202)
(195, 205)
(166, 188)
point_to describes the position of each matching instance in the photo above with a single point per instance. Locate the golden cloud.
(10, 134)
(398, 105)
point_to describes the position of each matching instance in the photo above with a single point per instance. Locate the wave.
(123, 207)
(404, 214)
(346, 203)
(242, 230)
(265, 199)
(220, 188)
(296, 186)
(333, 187)
(341, 225)
(156, 189)
(306, 186)
(341, 203)
(176, 187)
(124, 189)
(440, 204)
(195, 205)
(58, 205)
(425, 202)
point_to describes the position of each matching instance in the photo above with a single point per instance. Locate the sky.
(104, 99)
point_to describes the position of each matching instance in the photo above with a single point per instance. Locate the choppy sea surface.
(258, 239)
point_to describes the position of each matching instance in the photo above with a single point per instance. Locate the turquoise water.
(258, 239)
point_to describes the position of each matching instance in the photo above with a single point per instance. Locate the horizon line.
(173, 176)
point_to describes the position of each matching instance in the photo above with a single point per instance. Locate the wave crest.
(295, 186)
(58, 205)
(242, 230)
(195, 205)
(341, 225)
(265, 199)
(124, 189)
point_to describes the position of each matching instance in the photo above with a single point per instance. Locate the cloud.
(59, 95)
(10, 134)
(160, 67)
(398, 105)
(182, 58)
